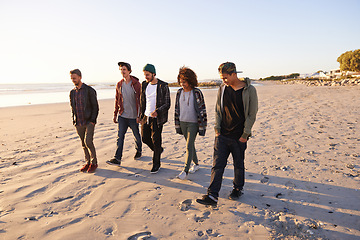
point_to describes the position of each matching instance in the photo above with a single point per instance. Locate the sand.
(302, 175)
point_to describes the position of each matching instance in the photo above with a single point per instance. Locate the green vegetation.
(350, 61)
(293, 75)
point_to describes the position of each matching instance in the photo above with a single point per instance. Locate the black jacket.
(162, 101)
(91, 106)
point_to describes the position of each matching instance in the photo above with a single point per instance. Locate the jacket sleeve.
(201, 108)
(166, 104)
(218, 114)
(177, 113)
(94, 105)
(72, 107)
(116, 100)
(137, 88)
(142, 100)
(253, 108)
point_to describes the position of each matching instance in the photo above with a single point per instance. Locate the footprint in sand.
(141, 234)
(185, 205)
(202, 219)
(264, 180)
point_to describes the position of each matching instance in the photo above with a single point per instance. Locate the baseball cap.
(127, 65)
(228, 68)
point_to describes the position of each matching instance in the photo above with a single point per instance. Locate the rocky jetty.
(335, 82)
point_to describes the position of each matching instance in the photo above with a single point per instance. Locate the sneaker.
(137, 155)
(114, 161)
(92, 168)
(85, 167)
(208, 200)
(235, 194)
(194, 168)
(155, 169)
(182, 175)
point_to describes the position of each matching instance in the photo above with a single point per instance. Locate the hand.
(115, 119)
(217, 134)
(243, 140)
(153, 114)
(138, 120)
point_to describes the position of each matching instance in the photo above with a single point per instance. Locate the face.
(149, 76)
(124, 71)
(226, 78)
(76, 79)
(184, 84)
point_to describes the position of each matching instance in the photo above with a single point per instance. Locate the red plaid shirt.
(79, 103)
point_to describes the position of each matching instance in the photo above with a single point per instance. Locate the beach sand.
(302, 175)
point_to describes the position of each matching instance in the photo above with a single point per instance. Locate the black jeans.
(151, 136)
(222, 148)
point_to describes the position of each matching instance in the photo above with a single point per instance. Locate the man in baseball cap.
(235, 114)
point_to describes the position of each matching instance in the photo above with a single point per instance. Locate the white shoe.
(194, 168)
(182, 175)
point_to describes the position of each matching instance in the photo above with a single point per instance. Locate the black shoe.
(137, 155)
(114, 161)
(235, 194)
(208, 200)
(155, 169)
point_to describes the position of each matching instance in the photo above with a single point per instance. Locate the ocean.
(30, 94)
(12, 95)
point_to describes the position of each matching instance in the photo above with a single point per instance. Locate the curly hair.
(188, 75)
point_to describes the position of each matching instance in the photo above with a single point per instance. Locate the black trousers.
(222, 148)
(151, 136)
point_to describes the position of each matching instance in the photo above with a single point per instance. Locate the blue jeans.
(222, 148)
(123, 124)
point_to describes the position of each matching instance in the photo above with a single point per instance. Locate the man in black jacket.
(154, 107)
(85, 109)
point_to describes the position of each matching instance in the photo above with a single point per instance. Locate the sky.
(41, 41)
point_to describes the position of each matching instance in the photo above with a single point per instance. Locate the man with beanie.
(85, 109)
(154, 107)
(235, 114)
(126, 114)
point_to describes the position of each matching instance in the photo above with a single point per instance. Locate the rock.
(351, 166)
(309, 231)
(284, 168)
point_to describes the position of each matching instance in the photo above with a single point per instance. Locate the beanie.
(150, 68)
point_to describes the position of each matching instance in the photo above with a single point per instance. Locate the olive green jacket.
(250, 102)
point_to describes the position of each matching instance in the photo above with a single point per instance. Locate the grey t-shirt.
(187, 107)
(129, 101)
